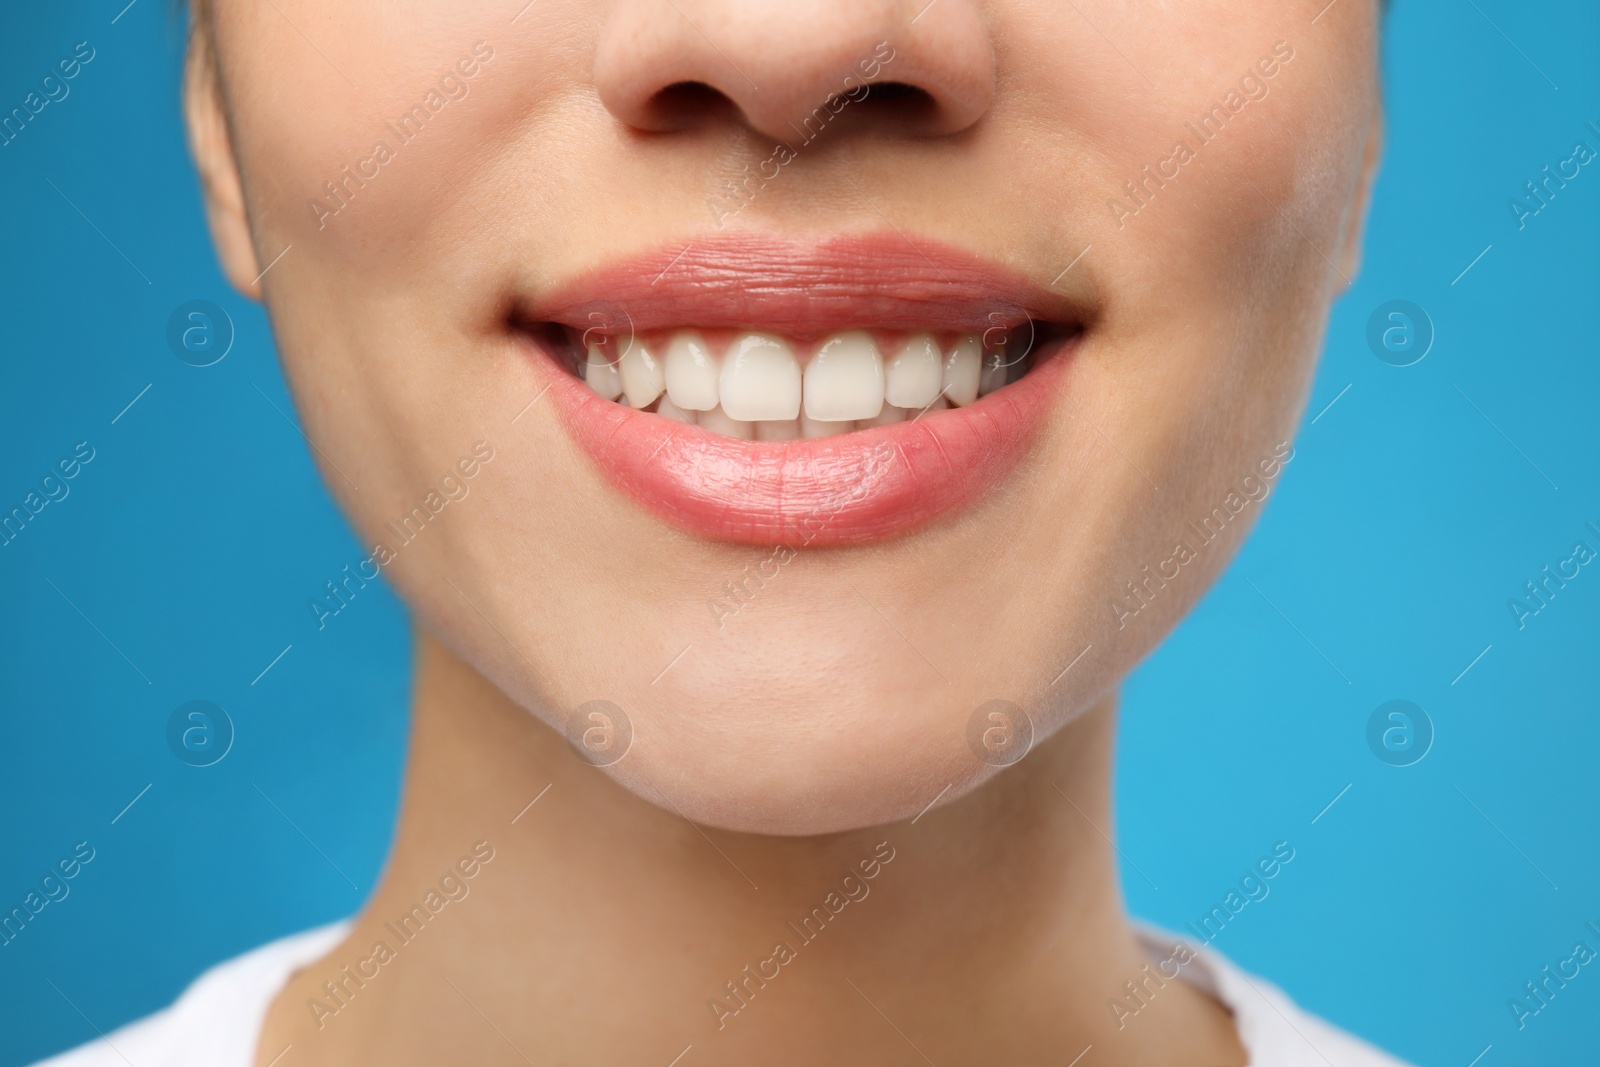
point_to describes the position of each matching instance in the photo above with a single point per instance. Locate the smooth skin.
(773, 753)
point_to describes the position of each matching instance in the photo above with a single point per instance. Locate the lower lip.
(863, 486)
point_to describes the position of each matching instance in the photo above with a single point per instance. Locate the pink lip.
(846, 489)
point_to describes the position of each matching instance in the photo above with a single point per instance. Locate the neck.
(608, 929)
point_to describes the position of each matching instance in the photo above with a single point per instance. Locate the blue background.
(1415, 906)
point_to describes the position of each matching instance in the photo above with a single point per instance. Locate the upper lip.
(802, 288)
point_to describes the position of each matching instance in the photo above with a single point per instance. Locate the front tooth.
(668, 410)
(717, 421)
(812, 428)
(691, 372)
(760, 379)
(642, 376)
(887, 417)
(787, 430)
(961, 370)
(913, 377)
(844, 380)
(601, 374)
(994, 373)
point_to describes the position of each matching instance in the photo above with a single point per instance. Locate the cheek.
(348, 145)
(1221, 280)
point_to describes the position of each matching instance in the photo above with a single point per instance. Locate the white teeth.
(758, 392)
(691, 372)
(844, 379)
(601, 374)
(788, 430)
(717, 421)
(887, 417)
(668, 410)
(914, 376)
(994, 374)
(961, 371)
(812, 428)
(642, 376)
(760, 379)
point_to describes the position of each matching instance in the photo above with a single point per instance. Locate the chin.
(802, 768)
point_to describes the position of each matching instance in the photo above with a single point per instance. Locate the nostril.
(787, 70)
(889, 106)
(685, 104)
(688, 94)
(899, 94)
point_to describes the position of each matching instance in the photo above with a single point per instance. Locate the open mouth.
(766, 390)
(759, 386)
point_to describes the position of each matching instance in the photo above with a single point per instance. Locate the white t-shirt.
(217, 1021)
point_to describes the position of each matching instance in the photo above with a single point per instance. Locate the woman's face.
(1146, 208)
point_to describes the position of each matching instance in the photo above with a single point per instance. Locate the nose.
(786, 65)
